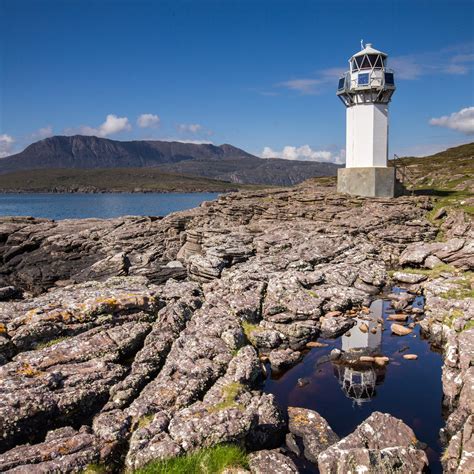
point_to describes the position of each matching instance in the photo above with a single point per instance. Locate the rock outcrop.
(137, 339)
(381, 443)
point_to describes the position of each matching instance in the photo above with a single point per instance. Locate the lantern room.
(368, 79)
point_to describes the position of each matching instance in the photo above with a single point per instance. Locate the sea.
(104, 205)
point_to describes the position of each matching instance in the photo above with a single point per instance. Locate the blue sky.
(258, 74)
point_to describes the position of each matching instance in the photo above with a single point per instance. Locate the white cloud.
(148, 121)
(304, 153)
(189, 127)
(111, 126)
(304, 86)
(180, 140)
(458, 60)
(6, 145)
(44, 132)
(462, 121)
(313, 85)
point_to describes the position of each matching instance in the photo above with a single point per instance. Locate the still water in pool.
(346, 394)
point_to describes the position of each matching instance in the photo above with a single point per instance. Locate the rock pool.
(345, 391)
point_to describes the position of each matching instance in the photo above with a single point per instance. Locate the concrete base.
(368, 182)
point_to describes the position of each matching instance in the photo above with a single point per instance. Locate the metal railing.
(402, 173)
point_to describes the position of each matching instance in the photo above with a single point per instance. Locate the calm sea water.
(72, 206)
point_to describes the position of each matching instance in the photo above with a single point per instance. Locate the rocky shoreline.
(139, 338)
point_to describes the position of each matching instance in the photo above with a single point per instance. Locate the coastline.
(217, 295)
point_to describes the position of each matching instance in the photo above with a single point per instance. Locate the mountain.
(224, 162)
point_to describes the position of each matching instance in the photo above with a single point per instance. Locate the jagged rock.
(432, 262)
(313, 429)
(271, 462)
(334, 326)
(64, 450)
(159, 366)
(283, 359)
(380, 444)
(411, 278)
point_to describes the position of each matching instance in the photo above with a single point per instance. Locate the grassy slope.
(448, 176)
(450, 170)
(111, 180)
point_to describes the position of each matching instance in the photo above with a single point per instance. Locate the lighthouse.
(366, 90)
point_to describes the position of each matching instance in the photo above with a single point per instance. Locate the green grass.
(230, 393)
(429, 272)
(250, 329)
(446, 176)
(145, 420)
(95, 469)
(469, 325)
(449, 318)
(205, 461)
(52, 342)
(465, 287)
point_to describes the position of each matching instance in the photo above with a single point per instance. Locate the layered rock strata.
(142, 338)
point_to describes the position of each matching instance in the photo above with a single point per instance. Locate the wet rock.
(271, 462)
(283, 359)
(398, 317)
(400, 330)
(381, 443)
(382, 360)
(313, 429)
(312, 344)
(302, 382)
(363, 328)
(335, 354)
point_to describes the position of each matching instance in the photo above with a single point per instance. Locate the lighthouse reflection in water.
(359, 379)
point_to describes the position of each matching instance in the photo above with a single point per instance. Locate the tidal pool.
(347, 393)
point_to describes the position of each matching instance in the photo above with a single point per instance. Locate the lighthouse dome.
(369, 49)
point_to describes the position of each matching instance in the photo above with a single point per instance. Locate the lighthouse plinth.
(366, 90)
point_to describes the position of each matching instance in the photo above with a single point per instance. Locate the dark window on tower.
(389, 78)
(365, 63)
(363, 79)
(341, 83)
(373, 59)
(358, 62)
(378, 62)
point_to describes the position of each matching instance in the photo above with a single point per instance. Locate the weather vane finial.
(361, 44)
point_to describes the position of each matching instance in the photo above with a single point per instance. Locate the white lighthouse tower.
(366, 90)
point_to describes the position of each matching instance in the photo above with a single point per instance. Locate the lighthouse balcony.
(376, 85)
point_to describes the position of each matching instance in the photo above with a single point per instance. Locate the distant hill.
(450, 170)
(224, 162)
(110, 180)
